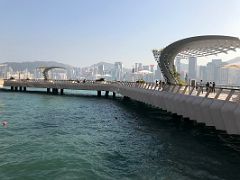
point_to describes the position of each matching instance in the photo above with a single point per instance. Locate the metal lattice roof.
(198, 46)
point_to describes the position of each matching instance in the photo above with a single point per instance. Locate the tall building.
(192, 68)
(138, 67)
(203, 73)
(118, 71)
(158, 74)
(146, 67)
(213, 71)
(224, 76)
(217, 67)
(152, 67)
(178, 65)
(101, 69)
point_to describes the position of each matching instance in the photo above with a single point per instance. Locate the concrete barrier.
(215, 112)
(228, 117)
(204, 112)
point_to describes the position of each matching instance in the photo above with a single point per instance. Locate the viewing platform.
(219, 109)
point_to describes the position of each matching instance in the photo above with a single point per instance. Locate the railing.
(225, 93)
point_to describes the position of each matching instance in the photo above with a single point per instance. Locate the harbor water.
(82, 136)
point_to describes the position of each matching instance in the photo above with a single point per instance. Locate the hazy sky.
(83, 32)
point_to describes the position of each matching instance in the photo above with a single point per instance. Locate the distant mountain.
(107, 66)
(31, 66)
(234, 61)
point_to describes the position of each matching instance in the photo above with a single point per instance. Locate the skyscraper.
(213, 70)
(178, 65)
(192, 68)
(101, 69)
(118, 71)
(203, 73)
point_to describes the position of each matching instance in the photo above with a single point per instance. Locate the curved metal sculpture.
(46, 69)
(198, 46)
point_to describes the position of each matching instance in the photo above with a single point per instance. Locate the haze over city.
(82, 33)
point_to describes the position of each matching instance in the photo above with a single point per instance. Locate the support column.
(20, 88)
(99, 93)
(114, 94)
(24, 89)
(12, 88)
(16, 88)
(61, 91)
(106, 93)
(48, 90)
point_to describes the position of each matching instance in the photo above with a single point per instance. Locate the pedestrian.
(201, 86)
(211, 87)
(207, 86)
(214, 87)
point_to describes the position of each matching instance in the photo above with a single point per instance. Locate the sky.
(84, 32)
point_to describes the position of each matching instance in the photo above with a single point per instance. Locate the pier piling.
(106, 93)
(61, 91)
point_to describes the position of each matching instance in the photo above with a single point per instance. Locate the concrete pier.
(61, 92)
(48, 90)
(114, 94)
(16, 88)
(20, 88)
(24, 89)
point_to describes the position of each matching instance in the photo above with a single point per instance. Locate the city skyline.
(82, 33)
(213, 71)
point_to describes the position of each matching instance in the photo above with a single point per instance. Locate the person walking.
(201, 86)
(213, 87)
(207, 86)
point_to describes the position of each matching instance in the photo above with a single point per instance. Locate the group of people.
(161, 83)
(210, 86)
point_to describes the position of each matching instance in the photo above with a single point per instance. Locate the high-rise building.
(203, 73)
(136, 67)
(152, 67)
(140, 66)
(217, 67)
(118, 71)
(178, 64)
(224, 76)
(192, 68)
(158, 74)
(101, 69)
(146, 67)
(213, 70)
